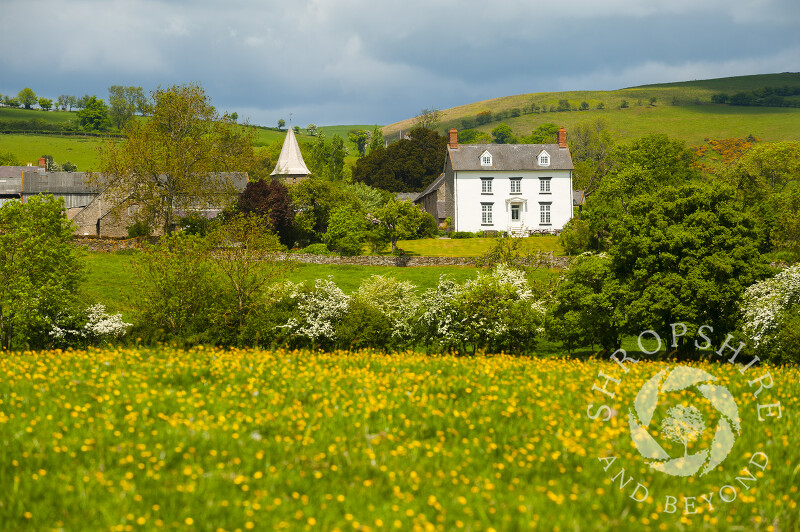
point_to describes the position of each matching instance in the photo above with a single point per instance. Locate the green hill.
(682, 110)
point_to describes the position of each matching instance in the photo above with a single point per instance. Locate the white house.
(519, 188)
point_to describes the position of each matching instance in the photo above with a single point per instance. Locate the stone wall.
(111, 245)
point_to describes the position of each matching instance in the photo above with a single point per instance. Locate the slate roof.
(433, 186)
(509, 157)
(402, 196)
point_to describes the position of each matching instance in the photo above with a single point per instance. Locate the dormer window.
(486, 159)
(544, 159)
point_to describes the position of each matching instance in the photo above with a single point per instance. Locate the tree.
(685, 254)
(243, 251)
(270, 199)
(94, 115)
(27, 97)
(10, 101)
(234, 116)
(347, 231)
(544, 134)
(281, 123)
(82, 102)
(122, 104)
(8, 158)
(473, 136)
(311, 129)
(359, 137)
(398, 220)
(428, 118)
(315, 200)
(39, 270)
(590, 144)
(180, 159)
(376, 139)
(407, 165)
(45, 103)
(65, 102)
(503, 135)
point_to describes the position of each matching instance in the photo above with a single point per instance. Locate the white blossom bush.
(495, 312)
(95, 326)
(381, 314)
(439, 325)
(318, 313)
(768, 307)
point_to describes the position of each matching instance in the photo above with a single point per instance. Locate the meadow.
(141, 439)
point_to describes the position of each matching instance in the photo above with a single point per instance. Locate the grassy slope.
(686, 119)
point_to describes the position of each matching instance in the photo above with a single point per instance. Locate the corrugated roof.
(509, 157)
(14, 171)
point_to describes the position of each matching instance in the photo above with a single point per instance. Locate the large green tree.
(180, 159)
(590, 144)
(123, 103)
(406, 165)
(39, 269)
(93, 115)
(685, 254)
(27, 97)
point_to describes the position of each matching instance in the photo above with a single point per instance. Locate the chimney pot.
(453, 138)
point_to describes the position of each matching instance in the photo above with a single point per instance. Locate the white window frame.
(544, 185)
(486, 185)
(545, 214)
(486, 158)
(544, 159)
(487, 214)
(516, 185)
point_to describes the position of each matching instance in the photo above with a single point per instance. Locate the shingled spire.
(291, 166)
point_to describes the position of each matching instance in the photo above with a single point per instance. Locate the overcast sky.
(363, 62)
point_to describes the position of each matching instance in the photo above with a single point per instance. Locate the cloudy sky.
(364, 62)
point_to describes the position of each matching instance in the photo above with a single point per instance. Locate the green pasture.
(210, 439)
(83, 151)
(109, 276)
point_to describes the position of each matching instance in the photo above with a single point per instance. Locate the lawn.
(475, 247)
(140, 439)
(109, 277)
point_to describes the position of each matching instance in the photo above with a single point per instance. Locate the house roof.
(402, 196)
(434, 186)
(14, 171)
(509, 157)
(290, 161)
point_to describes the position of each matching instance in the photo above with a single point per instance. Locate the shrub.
(462, 234)
(576, 237)
(138, 229)
(770, 311)
(315, 249)
(320, 309)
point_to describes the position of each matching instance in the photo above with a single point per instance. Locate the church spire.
(291, 166)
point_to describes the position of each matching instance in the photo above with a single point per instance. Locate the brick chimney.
(42, 165)
(453, 138)
(562, 137)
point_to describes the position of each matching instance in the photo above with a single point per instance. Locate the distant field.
(82, 151)
(682, 110)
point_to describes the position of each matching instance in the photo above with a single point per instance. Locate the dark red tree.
(270, 197)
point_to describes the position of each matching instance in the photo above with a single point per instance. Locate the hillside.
(683, 110)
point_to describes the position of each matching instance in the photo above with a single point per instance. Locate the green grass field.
(682, 111)
(140, 439)
(475, 247)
